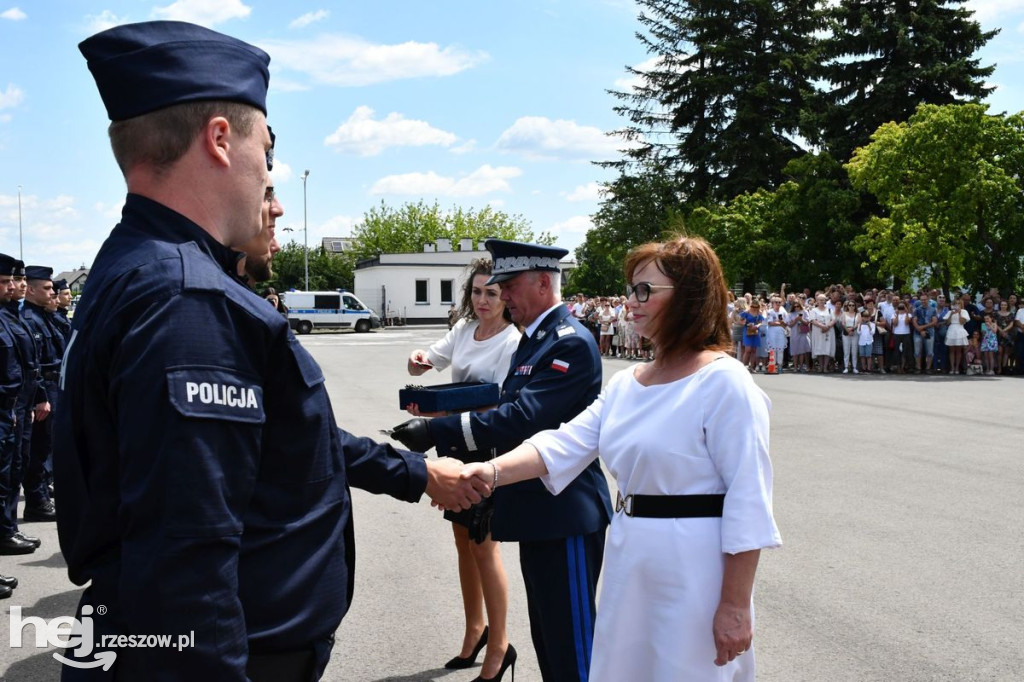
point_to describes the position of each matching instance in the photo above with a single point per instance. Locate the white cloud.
(336, 226)
(588, 192)
(11, 97)
(483, 180)
(203, 12)
(282, 171)
(309, 18)
(464, 148)
(53, 231)
(363, 135)
(537, 137)
(496, 203)
(94, 23)
(352, 61)
(112, 211)
(13, 14)
(579, 224)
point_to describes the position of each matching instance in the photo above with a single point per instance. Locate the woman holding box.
(479, 347)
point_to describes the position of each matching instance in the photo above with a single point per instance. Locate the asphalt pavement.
(898, 499)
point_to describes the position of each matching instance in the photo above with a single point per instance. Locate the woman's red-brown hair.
(696, 318)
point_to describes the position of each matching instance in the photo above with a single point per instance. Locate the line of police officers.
(34, 329)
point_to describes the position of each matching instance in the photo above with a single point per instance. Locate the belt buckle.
(624, 504)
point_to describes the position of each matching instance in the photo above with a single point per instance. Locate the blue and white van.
(309, 310)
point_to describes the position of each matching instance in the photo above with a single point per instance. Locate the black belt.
(51, 376)
(291, 666)
(670, 506)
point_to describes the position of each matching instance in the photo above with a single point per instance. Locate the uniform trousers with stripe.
(561, 592)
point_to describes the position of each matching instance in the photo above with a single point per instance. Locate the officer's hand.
(448, 489)
(41, 411)
(414, 434)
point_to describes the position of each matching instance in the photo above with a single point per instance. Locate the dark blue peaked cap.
(140, 68)
(514, 258)
(8, 264)
(60, 285)
(38, 272)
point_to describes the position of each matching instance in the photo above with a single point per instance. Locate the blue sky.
(468, 102)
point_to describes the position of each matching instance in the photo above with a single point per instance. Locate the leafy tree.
(327, 271)
(952, 181)
(636, 209)
(884, 58)
(406, 229)
(722, 106)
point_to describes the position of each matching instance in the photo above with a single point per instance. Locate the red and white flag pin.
(560, 365)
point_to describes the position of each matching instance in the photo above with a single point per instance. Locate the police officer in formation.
(203, 482)
(30, 406)
(60, 317)
(555, 375)
(39, 315)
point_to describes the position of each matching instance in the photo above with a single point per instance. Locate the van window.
(327, 302)
(352, 304)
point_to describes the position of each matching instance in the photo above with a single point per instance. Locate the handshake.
(450, 483)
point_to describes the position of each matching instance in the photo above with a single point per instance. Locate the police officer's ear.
(217, 138)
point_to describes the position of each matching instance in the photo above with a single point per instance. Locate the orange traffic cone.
(772, 367)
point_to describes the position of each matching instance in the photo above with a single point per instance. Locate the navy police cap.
(60, 285)
(38, 272)
(143, 67)
(19, 268)
(7, 264)
(514, 258)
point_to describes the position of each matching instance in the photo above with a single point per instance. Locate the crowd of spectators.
(840, 330)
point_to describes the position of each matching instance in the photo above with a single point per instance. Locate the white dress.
(471, 360)
(822, 342)
(703, 434)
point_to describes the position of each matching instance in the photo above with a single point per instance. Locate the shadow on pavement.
(55, 560)
(42, 667)
(425, 676)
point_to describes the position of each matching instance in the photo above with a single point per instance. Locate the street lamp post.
(305, 228)
(21, 248)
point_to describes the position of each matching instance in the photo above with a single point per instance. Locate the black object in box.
(466, 395)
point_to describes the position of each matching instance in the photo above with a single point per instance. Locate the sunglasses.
(269, 196)
(642, 290)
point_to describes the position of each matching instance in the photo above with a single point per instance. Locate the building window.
(447, 287)
(422, 292)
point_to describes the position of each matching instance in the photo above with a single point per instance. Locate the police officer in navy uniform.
(11, 384)
(32, 405)
(38, 315)
(60, 317)
(555, 375)
(204, 484)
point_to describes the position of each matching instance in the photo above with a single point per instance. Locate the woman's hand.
(414, 410)
(732, 630)
(418, 363)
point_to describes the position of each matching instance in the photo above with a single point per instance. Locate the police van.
(309, 310)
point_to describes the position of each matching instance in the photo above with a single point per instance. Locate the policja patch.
(215, 393)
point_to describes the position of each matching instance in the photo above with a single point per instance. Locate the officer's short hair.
(160, 138)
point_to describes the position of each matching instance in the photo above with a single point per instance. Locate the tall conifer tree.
(883, 58)
(722, 107)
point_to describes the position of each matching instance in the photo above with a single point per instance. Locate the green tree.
(636, 209)
(884, 58)
(327, 271)
(721, 108)
(952, 181)
(405, 229)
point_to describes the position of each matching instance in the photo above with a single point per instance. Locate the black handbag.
(480, 520)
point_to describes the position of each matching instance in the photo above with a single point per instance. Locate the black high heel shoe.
(458, 663)
(509, 661)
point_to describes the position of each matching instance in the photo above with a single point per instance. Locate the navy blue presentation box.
(450, 397)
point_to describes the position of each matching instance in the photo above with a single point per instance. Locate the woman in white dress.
(776, 337)
(823, 344)
(479, 347)
(686, 438)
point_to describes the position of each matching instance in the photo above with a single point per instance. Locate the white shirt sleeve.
(736, 432)
(571, 448)
(441, 352)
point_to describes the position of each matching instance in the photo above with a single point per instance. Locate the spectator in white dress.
(799, 337)
(956, 336)
(479, 347)
(686, 438)
(823, 343)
